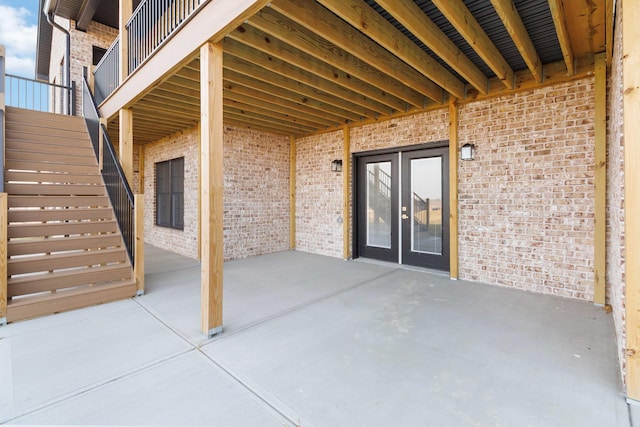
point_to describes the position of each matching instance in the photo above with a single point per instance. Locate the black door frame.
(356, 203)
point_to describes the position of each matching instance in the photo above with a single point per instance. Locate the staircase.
(64, 247)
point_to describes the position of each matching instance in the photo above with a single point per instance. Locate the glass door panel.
(425, 208)
(379, 205)
(426, 205)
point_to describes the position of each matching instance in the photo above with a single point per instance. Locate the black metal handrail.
(116, 182)
(30, 94)
(152, 23)
(106, 77)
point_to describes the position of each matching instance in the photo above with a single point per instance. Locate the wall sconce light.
(336, 166)
(467, 152)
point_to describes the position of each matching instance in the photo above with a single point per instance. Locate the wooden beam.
(346, 192)
(631, 109)
(305, 40)
(3, 257)
(318, 19)
(287, 70)
(211, 149)
(464, 21)
(138, 268)
(274, 48)
(292, 193)
(418, 23)
(125, 12)
(609, 25)
(85, 14)
(515, 27)
(141, 169)
(453, 190)
(250, 116)
(600, 181)
(125, 143)
(560, 22)
(214, 20)
(369, 22)
(353, 111)
(265, 111)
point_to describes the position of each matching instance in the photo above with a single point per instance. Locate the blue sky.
(18, 25)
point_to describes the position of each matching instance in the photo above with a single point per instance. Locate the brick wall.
(526, 203)
(319, 213)
(256, 193)
(81, 51)
(615, 194)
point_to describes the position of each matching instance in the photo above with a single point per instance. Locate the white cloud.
(19, 40)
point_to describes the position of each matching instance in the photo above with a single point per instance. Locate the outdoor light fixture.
(336, 166)
(467, 152)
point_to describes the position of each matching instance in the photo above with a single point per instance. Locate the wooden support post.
(600, 181)
(453, 190)
(141, 169)
(292, 193)
(125, 145)
(346, 193)
(3, 257)
(138, 268)
(126, 10)
(211, 146)
(631, 77)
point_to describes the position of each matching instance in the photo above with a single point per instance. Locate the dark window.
(170, 193)
(98, 53)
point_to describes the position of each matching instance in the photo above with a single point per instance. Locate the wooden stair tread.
(57, 244)
(52, 178)
(70, 299)
(54, 189)
(81, 149)
(44, 282)
(31, 165)
(60, 229)
(87, 160)
(57, 201)
(67, 260)
(62, 214)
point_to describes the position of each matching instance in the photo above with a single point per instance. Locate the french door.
(402, 209)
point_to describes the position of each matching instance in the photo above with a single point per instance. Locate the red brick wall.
(526, 203)
(615, 194)
(256, 193)
(319, 194)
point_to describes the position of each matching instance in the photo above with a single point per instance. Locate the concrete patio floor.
(310, 340)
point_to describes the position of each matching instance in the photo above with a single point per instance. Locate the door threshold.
(403, 266)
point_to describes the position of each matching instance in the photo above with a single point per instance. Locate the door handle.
(405, 216)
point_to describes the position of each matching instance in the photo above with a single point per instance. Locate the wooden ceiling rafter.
(305, 40)
(560, 22)
(421, 26)
(257, 39)
(467, 25)
(285, 69)
(316, 18)
(515, 27)
(369, 22)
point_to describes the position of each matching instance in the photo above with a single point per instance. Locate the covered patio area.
(312, 340)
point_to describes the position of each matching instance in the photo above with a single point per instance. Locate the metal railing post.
(2, 110)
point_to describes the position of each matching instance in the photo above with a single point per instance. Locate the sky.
(18, 32)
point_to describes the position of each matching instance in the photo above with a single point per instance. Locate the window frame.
(170, 192)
